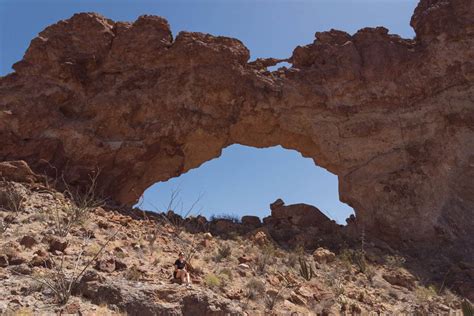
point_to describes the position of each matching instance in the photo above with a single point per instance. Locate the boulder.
(41, 261)
(15, 257)
(302, 215)
(57, 244)
(17, 171)
(400, 277)
(28, 241)
(205, 243)
(224, 226)
(251, 221)
(106, 265)
(260, 238)
(244, 259)
(3, 261)
(277, 204)
(296, 299)
(322, 255)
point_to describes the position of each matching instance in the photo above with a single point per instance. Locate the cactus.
(467, 308)
(306, 270)
(360, 261)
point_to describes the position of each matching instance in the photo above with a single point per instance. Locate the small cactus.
(306, 270)
(467, 308)
(360, 261)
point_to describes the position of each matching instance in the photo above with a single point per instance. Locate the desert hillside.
(67, 252)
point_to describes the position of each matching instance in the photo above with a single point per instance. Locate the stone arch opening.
(245, 180)
(391, 117)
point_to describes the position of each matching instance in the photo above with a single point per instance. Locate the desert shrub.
(425, 293)
(394, 261)
(123, 255)
(266, 257)
(449, 297)
(223, 252)
(23, 311)
(62, 224)
(292, 260)
(176, 214)
(233, 235)
(212, 280)
(85, 199)
(5, 223)
(133, 274)
(356, 257)
(60, 282)
(10, 199)
(254, 288)
(370, 273)
(230, 217)
(12, 203)
(271, 300)
(92, 249)
(224, 279)
(198, 270)
(228, 273)
(346, 257)
(337, 287)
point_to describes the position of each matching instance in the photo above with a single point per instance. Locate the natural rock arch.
(392, 117)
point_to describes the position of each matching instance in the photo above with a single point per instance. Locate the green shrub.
(358, 258)
(212, 281)
(354, 257)
(271, 299)
(292, 260)
(255, 288)
(223, 252)
(228, 273)
(266, 257)
(346, 258)
(394, 261)
(370, 273)
(230, 217)
(133, 274)
(337, 286)
(425, 293)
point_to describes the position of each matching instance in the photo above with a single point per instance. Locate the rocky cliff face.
(392, 117)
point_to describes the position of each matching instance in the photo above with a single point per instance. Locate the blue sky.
(243, 180)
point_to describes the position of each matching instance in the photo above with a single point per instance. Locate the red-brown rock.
(251, 221)
(400, 277)
(391, 117)
(28, 241)
(3, 261)
(17, 171)
(57, 244)
(106, 265)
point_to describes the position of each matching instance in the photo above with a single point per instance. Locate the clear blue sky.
(243, 180)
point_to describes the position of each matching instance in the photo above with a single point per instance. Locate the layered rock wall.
(392, 117)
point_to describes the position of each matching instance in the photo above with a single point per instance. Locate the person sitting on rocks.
(180, 271)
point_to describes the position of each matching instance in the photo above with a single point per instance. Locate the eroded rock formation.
(392, 117)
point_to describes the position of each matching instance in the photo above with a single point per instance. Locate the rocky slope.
(392, 117)
(127, 256)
